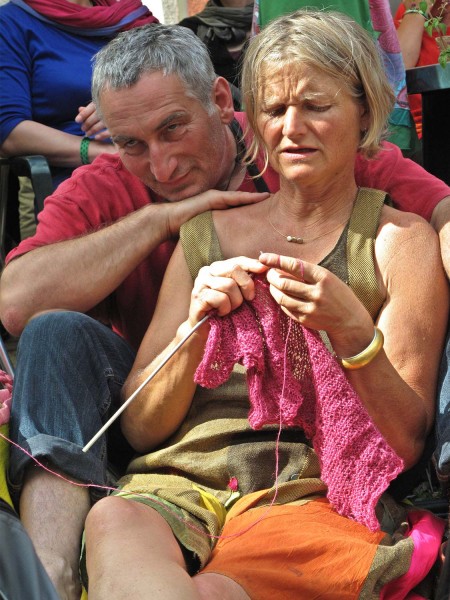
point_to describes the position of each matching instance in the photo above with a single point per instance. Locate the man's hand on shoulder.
(180, 212)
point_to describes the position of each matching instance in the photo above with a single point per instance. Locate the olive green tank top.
(352, 259)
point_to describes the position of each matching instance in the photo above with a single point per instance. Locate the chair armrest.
(36, 168)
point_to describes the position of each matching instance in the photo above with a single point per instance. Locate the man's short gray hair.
(172, 50)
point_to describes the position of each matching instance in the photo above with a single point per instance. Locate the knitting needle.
(143, 384)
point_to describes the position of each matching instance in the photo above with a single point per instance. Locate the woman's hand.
(91, 124)
(317, 299)
(223, 286)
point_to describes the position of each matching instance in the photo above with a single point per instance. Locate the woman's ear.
(364, 118)
(223, 99)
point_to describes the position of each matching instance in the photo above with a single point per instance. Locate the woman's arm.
(398, 387)
(60, 149)
(410, 30)
(161, 406)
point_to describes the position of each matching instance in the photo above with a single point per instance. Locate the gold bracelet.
(365, 356)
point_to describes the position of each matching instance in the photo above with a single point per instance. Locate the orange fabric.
(306, 551)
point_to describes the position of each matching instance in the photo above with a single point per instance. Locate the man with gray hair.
(82, 291)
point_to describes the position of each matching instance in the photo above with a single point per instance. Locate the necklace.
(299, 240)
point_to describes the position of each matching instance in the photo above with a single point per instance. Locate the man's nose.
(162, 165)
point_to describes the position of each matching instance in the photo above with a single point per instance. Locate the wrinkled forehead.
(277, 82)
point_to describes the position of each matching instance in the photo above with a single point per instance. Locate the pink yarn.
(302, 384)
(5, 397)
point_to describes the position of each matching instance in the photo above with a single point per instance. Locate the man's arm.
(77, 274)
(440, 220)
(411, 187)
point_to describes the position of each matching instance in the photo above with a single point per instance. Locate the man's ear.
(223, 99)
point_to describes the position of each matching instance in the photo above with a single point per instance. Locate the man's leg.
(53, 513)
(69, 373)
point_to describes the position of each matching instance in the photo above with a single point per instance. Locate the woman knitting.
(275, 429)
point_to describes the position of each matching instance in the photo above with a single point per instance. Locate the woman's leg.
(212, 586)
(131, 552)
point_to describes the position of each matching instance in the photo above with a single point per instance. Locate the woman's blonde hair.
(329, 42)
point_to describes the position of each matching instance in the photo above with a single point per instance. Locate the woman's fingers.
(224, 285)
(288, 264)
(90, 122)
(310, 293)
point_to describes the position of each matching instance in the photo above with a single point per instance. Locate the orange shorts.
(296, 552)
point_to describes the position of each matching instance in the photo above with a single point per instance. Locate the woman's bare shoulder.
(406, 238)
(399, 226)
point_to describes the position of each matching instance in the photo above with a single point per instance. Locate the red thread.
(233, 482)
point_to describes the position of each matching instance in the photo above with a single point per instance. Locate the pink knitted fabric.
(300, 383)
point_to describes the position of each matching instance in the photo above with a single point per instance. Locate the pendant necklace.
(300, 240)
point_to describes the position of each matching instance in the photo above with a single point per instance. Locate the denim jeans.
(69, 372)
(442, 452)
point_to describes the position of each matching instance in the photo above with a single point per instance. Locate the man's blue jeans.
(69, 372)
(442, 452)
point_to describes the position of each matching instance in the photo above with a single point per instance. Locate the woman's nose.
(294, 121)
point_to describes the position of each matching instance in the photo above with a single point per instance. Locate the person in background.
(46, 49)
(254, 408)
(86, 285)
(224, 26)
(418, 47)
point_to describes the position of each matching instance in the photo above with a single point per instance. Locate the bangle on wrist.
(84, 145)
(416, 11)
(365, 356)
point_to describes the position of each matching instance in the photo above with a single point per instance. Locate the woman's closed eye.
(317, 107)
(275, 111)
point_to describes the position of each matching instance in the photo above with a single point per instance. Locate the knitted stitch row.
(292, 378)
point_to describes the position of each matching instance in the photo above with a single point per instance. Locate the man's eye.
(175, 129)
(133, 147)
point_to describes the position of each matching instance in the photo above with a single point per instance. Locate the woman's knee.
(113, 520)
(115, 514)
(107, 516)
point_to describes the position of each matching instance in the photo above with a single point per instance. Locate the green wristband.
(84, 150)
